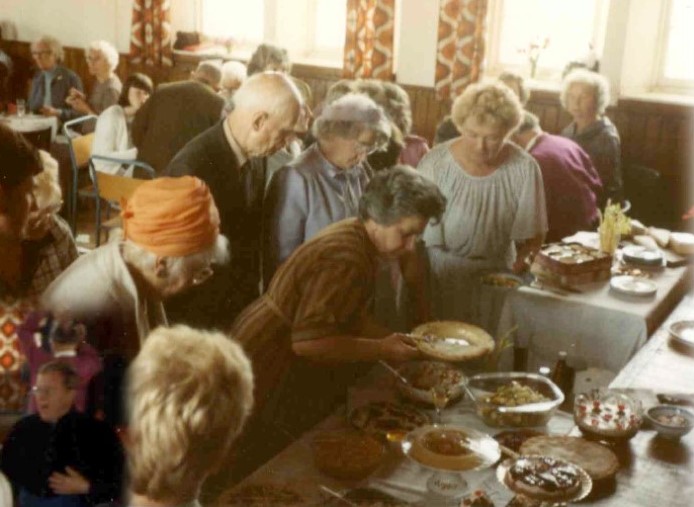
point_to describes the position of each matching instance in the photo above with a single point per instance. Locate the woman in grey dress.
(496, 213)
(585, 95)
(324, 184)
(102, 60)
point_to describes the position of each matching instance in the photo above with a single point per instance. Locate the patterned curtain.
(369, 39)
(460, 47)
(150, 35)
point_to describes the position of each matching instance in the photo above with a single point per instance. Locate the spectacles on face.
(202, 275)
(366, 148)
(41, 53)
(42, 391)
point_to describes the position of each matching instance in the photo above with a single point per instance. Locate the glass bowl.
(607, 415)
(510, 399)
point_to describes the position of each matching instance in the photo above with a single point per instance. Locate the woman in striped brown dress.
(314, 319)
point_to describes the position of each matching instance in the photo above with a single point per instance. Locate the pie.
(381, 418)
(447, 449)
(514, 439)
(597, 460)
(544, 478)
(261, 495)
(348, 455)
(452, 341)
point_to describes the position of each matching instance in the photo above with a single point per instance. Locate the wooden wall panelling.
(654, 134)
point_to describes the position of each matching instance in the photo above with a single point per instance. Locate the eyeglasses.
(45, 391)
(202, 275)
(366, 148)
(44, 52)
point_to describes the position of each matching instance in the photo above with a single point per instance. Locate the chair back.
(114, 188)
(645, 189)
(79, 148)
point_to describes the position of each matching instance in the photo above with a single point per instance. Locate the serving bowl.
(607, 415)
(670, 421)
(514, 399)
(423, 376)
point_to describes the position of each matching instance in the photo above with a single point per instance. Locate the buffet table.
(652, 471)
(598, 327)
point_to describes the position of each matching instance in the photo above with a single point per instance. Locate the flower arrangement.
(533, 51)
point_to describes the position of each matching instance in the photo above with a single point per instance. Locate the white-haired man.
(198, 385)
(175, 114)
(229, 157)
(171, 239)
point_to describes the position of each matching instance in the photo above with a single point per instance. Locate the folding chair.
(80, 148)
(113, 188)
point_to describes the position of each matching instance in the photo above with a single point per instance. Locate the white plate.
(633, 286)
(683, 332)
(638, 254)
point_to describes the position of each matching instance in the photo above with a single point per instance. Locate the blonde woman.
(196, 385)
(496, 213)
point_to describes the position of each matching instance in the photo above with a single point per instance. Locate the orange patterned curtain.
(369, 39)
(150, 35)
(460, 47)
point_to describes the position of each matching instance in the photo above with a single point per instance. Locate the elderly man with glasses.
(171, 239)
(59, 456)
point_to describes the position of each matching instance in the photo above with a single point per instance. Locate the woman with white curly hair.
(189, 394)
(49, 247)
(102, 60)
(324, 184)
(496, 214)
(585, 95)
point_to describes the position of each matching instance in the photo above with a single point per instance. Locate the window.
(308, 29)
(553, 32)
(676, 70)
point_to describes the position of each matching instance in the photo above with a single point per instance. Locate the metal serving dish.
(483, 387)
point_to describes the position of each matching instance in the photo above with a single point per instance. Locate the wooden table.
(656, 472)
(653, 473)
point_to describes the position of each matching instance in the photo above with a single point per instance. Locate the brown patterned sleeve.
(334, 298)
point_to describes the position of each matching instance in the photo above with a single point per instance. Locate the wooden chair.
(113, 189)
(80, 149)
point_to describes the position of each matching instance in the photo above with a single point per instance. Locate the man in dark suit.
(175, 114)
(229, 157)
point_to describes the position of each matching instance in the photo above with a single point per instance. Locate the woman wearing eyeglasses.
(324, 184)
(51, 85)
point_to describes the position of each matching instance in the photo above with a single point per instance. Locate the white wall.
(67, 20)
(416, 42)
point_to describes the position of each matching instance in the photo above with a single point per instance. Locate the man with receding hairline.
(230, 158)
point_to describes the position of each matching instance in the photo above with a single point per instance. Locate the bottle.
(563, 375)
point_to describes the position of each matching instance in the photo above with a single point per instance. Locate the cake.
(571, 264)
(544, 478)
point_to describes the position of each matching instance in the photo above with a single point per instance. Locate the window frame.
(545, 76)
(660, 83)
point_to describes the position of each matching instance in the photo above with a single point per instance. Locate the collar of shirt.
(531, 144)
(234, 145)
(335, 171)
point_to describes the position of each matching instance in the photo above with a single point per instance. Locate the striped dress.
(325, 288)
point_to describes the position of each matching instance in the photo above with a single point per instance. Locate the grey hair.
(53, 43)
(600, 84)
(105, 48)
(398, 106)
(266, 55)
(232, 71)
(511, 78)
(339, 89)
(401, 192)
(349, 116)
(209, 72)
(529, 122)
(144, 260)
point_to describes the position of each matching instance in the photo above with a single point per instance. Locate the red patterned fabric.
(13, 390)
(460, 47)
(150, 34)
(369, 39)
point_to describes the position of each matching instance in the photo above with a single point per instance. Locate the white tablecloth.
(31, 123)
(597, 326)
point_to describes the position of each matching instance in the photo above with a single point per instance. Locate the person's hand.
(69, 483)
(38, 224)
(49, 111)
(395, 347)
(79, 104)
(74, 93)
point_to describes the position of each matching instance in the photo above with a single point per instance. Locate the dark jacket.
(35, 449)
(63, 80)
(173, 115)
(239, 201)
